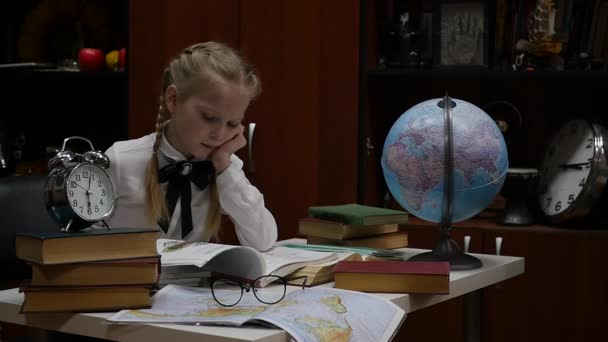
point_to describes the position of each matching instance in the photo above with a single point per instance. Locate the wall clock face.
(573, 172)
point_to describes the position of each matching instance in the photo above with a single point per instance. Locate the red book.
(423, 277)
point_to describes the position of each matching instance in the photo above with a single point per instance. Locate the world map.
(312, 314)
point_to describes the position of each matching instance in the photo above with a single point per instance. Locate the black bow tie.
(179, 175)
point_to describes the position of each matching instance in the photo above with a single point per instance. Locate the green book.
(57, 234)
(87, 245)
(358, 214)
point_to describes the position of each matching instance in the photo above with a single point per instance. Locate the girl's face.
(207, 119)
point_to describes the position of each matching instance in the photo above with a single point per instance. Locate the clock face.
(565, 171)
(90, 192)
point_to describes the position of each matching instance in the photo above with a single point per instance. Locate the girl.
(182, 176)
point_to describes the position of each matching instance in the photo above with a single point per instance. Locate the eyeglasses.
(228, 290)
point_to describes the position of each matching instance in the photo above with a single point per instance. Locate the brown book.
(321, 273)
(84, 299)
(423, 277)
(338, 230)
(87, 245)
(140, 271)
(383, 241)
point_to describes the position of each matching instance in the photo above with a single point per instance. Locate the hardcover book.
(338, 230)
(359, 214)
(84, 299)
(246, 262)
(424, 277)
(382, 241)
(91, 244)
(138, 271)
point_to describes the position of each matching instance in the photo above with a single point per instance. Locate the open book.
(324, 272)
(312, 314)
(186, 262)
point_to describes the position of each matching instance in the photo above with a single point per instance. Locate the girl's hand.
(220, 157)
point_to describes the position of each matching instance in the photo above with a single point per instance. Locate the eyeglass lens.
(272, 293)
(227, 292)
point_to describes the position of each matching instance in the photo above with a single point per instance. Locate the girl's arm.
(255, 225)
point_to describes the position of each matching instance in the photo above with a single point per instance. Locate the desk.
(495, 269)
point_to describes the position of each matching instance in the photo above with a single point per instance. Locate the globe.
(413, 160)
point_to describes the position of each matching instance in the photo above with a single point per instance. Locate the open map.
(312, 314)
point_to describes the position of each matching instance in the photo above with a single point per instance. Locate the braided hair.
(203, 61)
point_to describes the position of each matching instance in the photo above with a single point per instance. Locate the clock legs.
(73, 224)
(67, 227)
(105, 224)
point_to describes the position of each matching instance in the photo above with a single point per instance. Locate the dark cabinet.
(531, 306)
(562, 294)
(560, 297)
(45, 99)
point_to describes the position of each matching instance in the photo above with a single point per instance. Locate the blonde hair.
(209, 62)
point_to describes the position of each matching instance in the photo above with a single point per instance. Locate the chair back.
(22, 209)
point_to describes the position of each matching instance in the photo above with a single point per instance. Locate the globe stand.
(447, 249)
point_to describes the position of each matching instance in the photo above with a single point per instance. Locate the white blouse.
(255, 225)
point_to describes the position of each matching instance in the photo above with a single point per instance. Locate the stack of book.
(354, 225)
(91, 270)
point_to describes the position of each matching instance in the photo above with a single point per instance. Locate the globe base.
(448, 250)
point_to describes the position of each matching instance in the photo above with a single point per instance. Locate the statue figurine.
(542, 47)
(541, 30)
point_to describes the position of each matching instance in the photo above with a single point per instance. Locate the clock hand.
(578, 166)
(83, 188)
(89, 193)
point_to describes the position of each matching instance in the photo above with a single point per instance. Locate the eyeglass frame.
(247, 284)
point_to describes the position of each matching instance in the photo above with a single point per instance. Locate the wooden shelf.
(64, 74)
(483, 73)
(487, 221)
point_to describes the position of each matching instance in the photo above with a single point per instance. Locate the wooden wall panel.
(144, 64)
(338, 92)
(159, 29)
(190, 21)
(281, 39)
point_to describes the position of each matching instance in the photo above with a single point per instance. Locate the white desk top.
(495, 269)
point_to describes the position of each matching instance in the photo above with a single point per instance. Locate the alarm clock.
(573, 173)
(78, 191)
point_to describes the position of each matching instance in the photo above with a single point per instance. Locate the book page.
(342, 256)
(182, 304)
(212, 257)
(328, 314)
(282, 261)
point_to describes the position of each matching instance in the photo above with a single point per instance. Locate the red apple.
(91, 59)
(122, 59)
